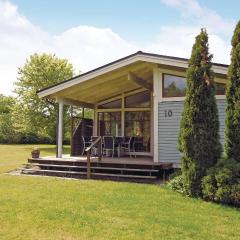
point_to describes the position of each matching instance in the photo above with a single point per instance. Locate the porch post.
(60, 128)
(151, 126)
(156, 98)
(123, 116)
(95, 122)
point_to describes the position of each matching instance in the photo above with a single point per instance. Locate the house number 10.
(168, 113)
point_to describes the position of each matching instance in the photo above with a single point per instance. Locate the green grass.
(50, 208)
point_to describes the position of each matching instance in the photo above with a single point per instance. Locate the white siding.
(168, 129)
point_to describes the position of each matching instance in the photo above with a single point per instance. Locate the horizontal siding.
(221, 114)
(168, 129)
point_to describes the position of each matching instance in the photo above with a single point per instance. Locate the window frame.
(137, 107)
(175, 97)
(109, 102)
(216, 88)
(179, 99)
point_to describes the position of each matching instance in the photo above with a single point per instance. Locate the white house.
(141, 95)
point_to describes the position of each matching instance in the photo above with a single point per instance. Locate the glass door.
(109, 124)
(137, 124)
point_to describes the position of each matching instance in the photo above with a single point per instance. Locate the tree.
(34, 115)
(232, 123)
(7, 132)
(199, 129)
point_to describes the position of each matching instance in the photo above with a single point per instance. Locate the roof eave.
(138, 56)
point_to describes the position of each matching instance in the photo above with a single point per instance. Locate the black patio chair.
(108, 144)
(117, 145)
(138, 144)
(128, 145)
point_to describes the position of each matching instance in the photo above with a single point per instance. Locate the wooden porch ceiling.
(108, 85)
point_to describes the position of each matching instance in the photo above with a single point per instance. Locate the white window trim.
(178, 99)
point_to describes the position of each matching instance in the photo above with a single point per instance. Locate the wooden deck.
(140, 169)
(142, 160)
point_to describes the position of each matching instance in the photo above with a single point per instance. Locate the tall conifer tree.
(199, 130)
(232, 124)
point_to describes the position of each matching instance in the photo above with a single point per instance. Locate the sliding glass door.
(137, 124)
(127, 116)
(109, 124)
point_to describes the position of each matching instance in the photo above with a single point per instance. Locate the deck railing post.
(88, 151)
(88, 165)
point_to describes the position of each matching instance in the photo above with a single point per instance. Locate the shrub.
(175, 173)
(32, 138)
(222, 183)
(176, 183)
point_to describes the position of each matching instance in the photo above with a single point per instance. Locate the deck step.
(123, 176)
(35, 171)
(93, 167)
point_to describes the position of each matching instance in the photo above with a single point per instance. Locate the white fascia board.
(180, 63)
(165, 61)
(220, 69)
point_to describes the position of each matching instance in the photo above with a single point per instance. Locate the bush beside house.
(209, 176)
(232, 125)
(222, 183)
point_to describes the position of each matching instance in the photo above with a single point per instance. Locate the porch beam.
(124, 109)
(142, 82)
(72, 102)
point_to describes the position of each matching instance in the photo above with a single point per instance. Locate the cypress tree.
(232, 124)
(199, 128)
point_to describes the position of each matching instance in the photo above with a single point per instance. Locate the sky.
(92, 33)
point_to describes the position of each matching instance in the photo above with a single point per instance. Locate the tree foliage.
(222, 183)
(199, 128)
(7, 132)
(232, 124)
(31, 114)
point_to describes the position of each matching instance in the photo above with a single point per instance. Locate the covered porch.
(122, 101)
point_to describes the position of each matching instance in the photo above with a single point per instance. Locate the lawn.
(50, 208)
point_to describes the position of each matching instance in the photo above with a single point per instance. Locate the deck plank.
(115, 160)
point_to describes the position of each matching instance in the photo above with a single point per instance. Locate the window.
(109, 124)
(174, 86)
(220, 88)
(137, 124)
(112, 104)
(139, 100)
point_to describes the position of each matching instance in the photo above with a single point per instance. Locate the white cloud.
(18, 39)
(174, 41)
(192, 11)
(178, 40)
(88, 47)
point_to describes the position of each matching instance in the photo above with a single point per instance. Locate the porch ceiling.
(107, 85)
